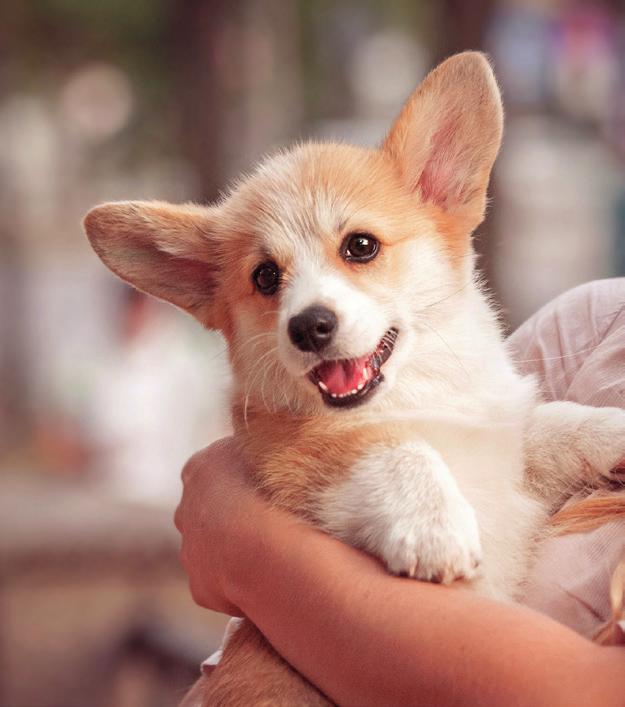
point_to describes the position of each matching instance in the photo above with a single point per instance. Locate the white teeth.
(323, 386)
(345, 395)
(364, 373)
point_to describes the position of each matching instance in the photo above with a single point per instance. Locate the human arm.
(367, 638)
(361, 635)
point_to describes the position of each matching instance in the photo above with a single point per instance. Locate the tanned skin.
(361, 635)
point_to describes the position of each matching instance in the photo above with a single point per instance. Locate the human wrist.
(262, 535)
(243, 560)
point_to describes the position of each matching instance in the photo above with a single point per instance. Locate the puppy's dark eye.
(359, 247)
(266, 278)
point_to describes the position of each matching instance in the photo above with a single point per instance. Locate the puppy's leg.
(250, 672)
(569, 447)
(403, 505)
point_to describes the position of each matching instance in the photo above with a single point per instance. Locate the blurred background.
(103, 393)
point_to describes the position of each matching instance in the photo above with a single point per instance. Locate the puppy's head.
(321, 267)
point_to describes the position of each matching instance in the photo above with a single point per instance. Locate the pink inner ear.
(442, 176)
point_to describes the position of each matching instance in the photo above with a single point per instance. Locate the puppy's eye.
(359, 247)
(266, 278)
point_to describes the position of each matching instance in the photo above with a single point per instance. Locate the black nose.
(312, 329)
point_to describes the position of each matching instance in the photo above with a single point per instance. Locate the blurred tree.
(236, 81)
(195, 29)
(14, 398)
(41, 43)
(461, 25)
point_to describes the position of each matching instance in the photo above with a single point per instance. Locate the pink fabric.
(576, 347)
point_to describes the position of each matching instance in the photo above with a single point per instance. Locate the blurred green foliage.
(46, 33)
(41, 40)
(322, 58)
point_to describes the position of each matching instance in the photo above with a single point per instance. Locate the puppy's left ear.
(447, 136)
(168, 251)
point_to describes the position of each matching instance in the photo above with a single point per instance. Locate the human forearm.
(367, 638)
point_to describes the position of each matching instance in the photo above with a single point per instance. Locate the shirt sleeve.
(575, 345)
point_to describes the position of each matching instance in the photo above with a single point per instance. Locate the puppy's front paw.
(601, 441)
(403, 505)
(439, 547)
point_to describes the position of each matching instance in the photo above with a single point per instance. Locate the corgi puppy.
(374, 395)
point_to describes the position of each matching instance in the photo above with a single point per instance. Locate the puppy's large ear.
(447, 136)
(165, 250)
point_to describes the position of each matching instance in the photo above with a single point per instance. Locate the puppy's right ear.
(167, 251)
(446, 138)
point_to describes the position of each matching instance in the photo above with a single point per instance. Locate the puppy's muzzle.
(313, 328)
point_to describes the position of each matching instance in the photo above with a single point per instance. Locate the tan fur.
(252, 673)
(589, 514)
(432, 129)
(426, 186)
(294, 459)
(584, 517)
(155, 246)
(201, 259)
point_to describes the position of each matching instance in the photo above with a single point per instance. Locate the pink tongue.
(341, 377)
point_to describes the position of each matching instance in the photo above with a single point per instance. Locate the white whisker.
(256, 371)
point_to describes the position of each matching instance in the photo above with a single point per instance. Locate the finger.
(189, 469)
(200, 461)
(178, 517)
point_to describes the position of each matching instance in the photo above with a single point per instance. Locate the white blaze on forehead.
(295, 212)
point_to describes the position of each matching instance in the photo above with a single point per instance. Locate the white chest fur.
(447, 504)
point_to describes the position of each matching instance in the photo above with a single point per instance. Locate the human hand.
(217, 503)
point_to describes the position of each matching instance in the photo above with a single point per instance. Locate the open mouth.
(347, 382)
